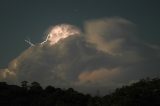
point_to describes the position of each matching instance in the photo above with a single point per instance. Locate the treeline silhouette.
(145, 92)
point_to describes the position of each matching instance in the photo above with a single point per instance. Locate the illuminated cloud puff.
(105, 56)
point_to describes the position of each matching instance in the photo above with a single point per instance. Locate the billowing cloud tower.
(105, 56)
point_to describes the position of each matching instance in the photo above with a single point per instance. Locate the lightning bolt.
(29, 42)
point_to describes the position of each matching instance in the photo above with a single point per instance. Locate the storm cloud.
(105, 56)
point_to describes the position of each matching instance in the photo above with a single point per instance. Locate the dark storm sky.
(22, 19)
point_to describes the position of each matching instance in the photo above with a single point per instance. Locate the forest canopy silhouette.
(145, 92)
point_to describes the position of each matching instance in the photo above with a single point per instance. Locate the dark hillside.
(145, 92)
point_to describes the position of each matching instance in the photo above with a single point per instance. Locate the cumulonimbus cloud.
(105, 56)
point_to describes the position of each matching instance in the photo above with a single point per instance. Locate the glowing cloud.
(106, 56)
(59, 32)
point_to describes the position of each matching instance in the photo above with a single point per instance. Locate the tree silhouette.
(50, 89)
(24, 84)
(145, 92)
(35, 87)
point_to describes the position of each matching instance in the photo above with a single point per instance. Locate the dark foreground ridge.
(145, 92)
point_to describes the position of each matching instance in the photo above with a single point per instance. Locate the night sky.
(22, 19)
(31, 19)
